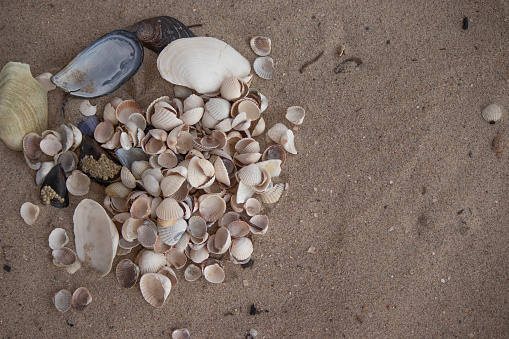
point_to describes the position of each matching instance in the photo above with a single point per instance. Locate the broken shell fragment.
(29, 212)
(273, 194)
(58, 238)
(261, 45)
(127, 273)
(87, 109)
(81, 298)
(492, 113)
(295, 114)
(95, 236)
(62, 300)
(45, 80)
(274, 152)
(264, 67)
(288, 142)
(155, 288)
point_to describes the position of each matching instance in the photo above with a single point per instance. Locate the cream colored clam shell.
(58, 238)
(295, 114)
(252, 206)
(29, 212)
(201, 63)
(78, 183)
(192, 273)
(214, 273)
(155, 288)
(95, 236)
(241, 248)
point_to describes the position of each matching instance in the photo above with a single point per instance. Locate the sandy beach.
(395, 223)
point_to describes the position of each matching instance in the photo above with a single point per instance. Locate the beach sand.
(395, 183)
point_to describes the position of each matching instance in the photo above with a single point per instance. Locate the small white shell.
(169, 209)
(261, 45)
(295, 114)
(288, 142)
(50, 145)
(78, 183)
(250, 175)
(252, 206)
(192, 273)
(264, 67)
(218, 108)
(259, 128)
(241, 248)
(231, 89)
(58, 238)
(29, 212)
(193, 101)
(87, 109)
(151, 262)
(155, 288)
(62, 300)
(182, 333)
(214, 273)
(492, 113)
(273, 194)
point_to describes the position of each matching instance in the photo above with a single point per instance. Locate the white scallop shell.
(62, 300)
(50, 145)
(259, 128)
(241, 248)
(138, 167)
(104, 131)
(212, 208)
(193, 101)
(200, 173)
(201, 63)
(29, 212)
(272, 166)
(218, 108)
(87, 109)
(264, 67)
(192, 116)
(127, 178)
(78, 183)
(250, 175)
(151, 262)
(238, 228)
(198, 255)
(117, 190)
(231, 89)
(208, 120)
(172, 234)
(58, 238)
(273, 194)
(155, 288)
(492, 113)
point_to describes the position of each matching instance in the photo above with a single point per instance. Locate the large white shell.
(201, 63)
(95, 235)
(155, 288)
(29, 212)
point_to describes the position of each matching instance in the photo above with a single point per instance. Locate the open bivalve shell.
(259, 224)
(175, 258)
(261, 45)
(62, 300)
(252, 206)
(81, 298)
(201, 63)
(78, 183)
(170, 274)
(29, 212)
(169, 212)
(295, 114)
(155, 288)
(127, 273)
(241, 248)
(95, 236)
(192, 273)
(58, 238)
(147, 234)
(213, 272)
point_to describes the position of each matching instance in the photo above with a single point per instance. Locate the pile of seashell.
(185, 180)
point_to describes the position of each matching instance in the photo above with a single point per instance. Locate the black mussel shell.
(88, 125)
(128, 157)
(103, 66)
(97, 162)
(53, 189)
(156, 33)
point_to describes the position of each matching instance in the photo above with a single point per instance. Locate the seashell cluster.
(185, 177)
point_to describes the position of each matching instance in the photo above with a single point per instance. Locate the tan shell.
(31, 145)
(200, 173)
(261, 45)
(241, 122)
(78, 183)
(181, 245)
(138, 167)
(237, 207)
(214, 273)
(147, 234)
(50, 145)
(295, 114)
(117, 190)
(81, 298)
(244, 192)
(248, 106)
(246, 158)
(150, 261)
(155, 288)
(208, 120)
(172, 234)
(141, 208)
(62, 300)
(212, 208)
(114, 142)
(104, 131)
(109, 114)
(163, 101)
(232, 89)
(63, 256)
(273, 194)
(197, 227)
(125, 109)
(127, 178)
(192, 273)
(264, 67)
(130, 228)
(241, 248)
(238, 228)
(68, 160)
(198, 255)
(169, 209)
(58, 238)
(167, 159)
(29, 212)
(87, 109)
(492, 113)
(165, 117)
(176, 258)
(193, 101)
(127, 273)
(259, 224)
(252, 206)
(170, 274)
